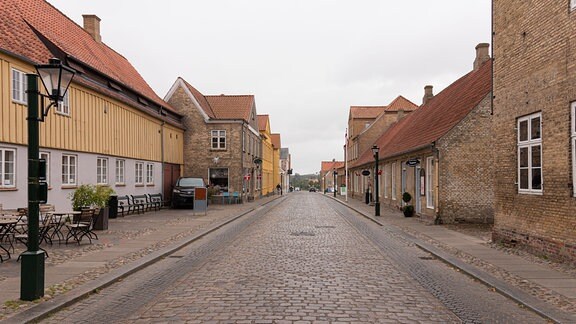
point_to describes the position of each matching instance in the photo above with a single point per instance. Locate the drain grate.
(325, 226)
(302, 233)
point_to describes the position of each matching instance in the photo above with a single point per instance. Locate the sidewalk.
(130, 243)
(549, 292)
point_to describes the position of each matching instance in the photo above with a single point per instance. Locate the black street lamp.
(56, 78)
(335, 174)
(375, 150)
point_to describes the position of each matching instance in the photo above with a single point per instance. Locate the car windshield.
(191, 182)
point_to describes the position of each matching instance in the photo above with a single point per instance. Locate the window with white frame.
(139, 173)
(218, 139)
(149, 174)
(46, 156)
(574, 147)
(572, 4)
(530, 154)
(120, 164)
(386, 177)
(7, 168)
(69, 167)
(64, 105)
(393, 181)
(102, 171)
(430, 182)
(19, 87)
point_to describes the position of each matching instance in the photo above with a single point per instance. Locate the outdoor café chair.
(82, 226)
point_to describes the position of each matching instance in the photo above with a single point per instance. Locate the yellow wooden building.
(277, 145)
(111, 129)
(267, 168)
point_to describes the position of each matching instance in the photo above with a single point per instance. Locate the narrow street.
(305, 259)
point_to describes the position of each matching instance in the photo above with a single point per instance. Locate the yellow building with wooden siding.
(267, 168)
(276, 144)
(113, 127)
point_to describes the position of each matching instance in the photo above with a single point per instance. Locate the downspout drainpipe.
(162, 155)
(492, 58)
(242, 164)
(436, 153)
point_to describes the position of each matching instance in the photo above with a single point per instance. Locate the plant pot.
(102, 220)
(408, 211)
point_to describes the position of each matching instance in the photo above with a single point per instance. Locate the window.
(102, 171)
(574, 147)
(120, 172)
(150, 174)
(572, 4)
(218, 139)
(530, 154)
(64, 105)
(430, 182)
(394, 181)
(7, 168)
(366, 125)
(386, 176)
(46, 156)
(139, 173)
(19, 87)
(69, 166)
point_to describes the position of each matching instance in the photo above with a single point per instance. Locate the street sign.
(412, 162)
(366, 173)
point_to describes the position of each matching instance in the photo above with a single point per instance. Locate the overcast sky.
(306, 61)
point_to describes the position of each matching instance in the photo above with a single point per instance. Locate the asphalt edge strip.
(45, 309)
(502, 287)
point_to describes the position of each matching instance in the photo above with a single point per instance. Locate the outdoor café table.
(59, 220)
(6, 228)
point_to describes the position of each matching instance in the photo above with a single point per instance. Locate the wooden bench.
(155, 201)
(125, 205)
(140, 202)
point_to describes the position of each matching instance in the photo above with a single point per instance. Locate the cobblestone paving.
(303, 262)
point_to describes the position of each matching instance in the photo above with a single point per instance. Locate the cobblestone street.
(307, 260)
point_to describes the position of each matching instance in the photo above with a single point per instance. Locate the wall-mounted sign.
(412, 162)
(366, 173)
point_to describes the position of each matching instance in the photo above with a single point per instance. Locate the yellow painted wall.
(97, 124)
(268, 184)
(276, 164)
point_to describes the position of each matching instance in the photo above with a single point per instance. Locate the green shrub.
(406, 197)
(87, 195)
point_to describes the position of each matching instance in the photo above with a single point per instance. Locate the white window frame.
(529, 144)
(18, 87)
(139, 173)
(69, 169)
(572, 4)
(386, 176)
(573, 139)
(430, 171)
(393, 194)
(46, 156)
(149, 174)
(120, 168)
(3, 167)
(219, 135)
(63, 107)
(102, 171)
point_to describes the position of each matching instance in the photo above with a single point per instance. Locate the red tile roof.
(366, 111)
(401, 103)
(263, 120)
(436, 118)
(276, 141)
(232, 107)
(22, 20)
(330, 165)
(201, 99)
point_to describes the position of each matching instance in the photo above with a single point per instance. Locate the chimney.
(482, 55)
(427, 94)
(92, 26)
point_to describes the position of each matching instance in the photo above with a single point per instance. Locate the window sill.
(120, 185)
(532, 193)
(69, 187)
(149, 185)
(9, 189)
(139, 185)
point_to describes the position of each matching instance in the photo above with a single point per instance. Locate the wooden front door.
(171, 174)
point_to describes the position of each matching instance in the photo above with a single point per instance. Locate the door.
(417, 190)
(403, 165)
(171, 174)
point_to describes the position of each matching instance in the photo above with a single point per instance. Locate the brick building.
(534, 125)
(327, 169)
(441, 153)
(222, 143)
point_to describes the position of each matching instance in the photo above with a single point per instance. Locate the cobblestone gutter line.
(530, 295)
(91, 281)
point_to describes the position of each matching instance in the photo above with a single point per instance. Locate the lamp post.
(56, 78)
(375, 150)
(335, 174)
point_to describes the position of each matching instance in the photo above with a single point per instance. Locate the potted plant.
(408, 209)
(89, 196)
(83, 197)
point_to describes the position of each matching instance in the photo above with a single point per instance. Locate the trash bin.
(367, 200)
(102, 220)
(113, 204)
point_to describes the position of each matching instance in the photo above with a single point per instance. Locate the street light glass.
(375, 149)
(56, 78)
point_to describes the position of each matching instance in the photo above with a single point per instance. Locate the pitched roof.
(366, 111)
(201, 99)
(276, 141)
(231, 106)
(330, 165)
(263, 121)
(401, 103)
(29, 27)
(436, 118)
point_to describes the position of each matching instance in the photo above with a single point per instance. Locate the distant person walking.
(279, 189)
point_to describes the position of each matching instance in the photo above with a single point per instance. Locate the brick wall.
(534, 71)
(466, 170)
